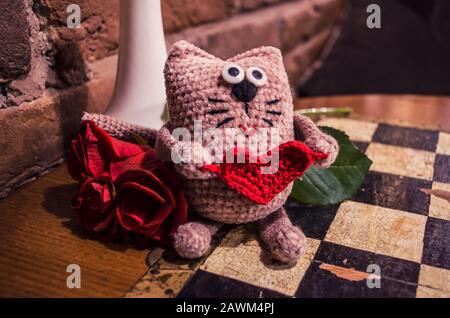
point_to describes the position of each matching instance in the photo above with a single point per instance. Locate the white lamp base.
(139, 94)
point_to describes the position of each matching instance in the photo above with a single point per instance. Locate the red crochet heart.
(247, 179)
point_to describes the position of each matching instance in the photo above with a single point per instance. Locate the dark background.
(409, 54)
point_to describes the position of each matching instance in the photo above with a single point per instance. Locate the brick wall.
(50, 74)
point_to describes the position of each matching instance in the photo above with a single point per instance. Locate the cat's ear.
(272, 54)
(184, 49)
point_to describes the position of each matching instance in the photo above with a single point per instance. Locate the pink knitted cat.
(248, 92)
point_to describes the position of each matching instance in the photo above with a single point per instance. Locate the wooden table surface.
(40, 236)
(428, 111)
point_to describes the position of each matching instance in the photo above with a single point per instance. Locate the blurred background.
(50, 74)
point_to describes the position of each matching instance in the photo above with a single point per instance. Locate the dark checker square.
(442, 168)
(321, 283)
(314, 221)
(362, 146)
(395, 192)
(390, 267)
(207, 285)
(436, 243)
(406, 137)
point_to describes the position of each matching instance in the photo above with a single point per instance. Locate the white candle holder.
(139, 94)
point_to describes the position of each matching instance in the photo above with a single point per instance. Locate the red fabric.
(124, 187)
(246, 178)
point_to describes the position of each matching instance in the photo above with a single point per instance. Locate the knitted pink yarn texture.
(193, 79)
(197, 90)
(120, 129)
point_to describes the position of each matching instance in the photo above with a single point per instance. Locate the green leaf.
(339, 182)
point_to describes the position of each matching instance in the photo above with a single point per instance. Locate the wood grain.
(40, 235)
(427, 111)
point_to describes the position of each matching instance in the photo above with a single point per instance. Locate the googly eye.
(256, 76)
(233, 73)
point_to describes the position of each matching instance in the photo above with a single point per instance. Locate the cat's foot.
(286, 242)
(192, 240)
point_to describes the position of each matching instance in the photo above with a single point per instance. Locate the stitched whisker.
(223, 122)
(273, 112)
(268, 121)
(217, 111)
(273, 102)
(215, 100)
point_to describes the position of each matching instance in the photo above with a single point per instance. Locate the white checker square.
(239, 256)
(379, 230)
(401, 161)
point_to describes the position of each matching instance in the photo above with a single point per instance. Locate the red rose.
(94, 201)
(124, 186)
(140, 191)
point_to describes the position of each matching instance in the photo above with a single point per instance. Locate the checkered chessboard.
(390, 223)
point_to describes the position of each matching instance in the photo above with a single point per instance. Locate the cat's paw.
(192, 240)
(325, 144)
(189, 158)
(193, 171)
(288, 244)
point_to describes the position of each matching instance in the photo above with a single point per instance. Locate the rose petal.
(145, 161)
(147, 191)
(135, 202)
(148, 199)
(147, 179)
(117, 148)
(158, 218)
(137, 205)
(102, 226)
(129, 221)
(93, 203)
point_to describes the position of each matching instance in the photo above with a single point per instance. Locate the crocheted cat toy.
(248, 92)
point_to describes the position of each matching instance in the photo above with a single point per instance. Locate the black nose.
(244, 91)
